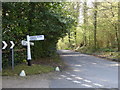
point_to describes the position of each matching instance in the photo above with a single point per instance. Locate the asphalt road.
(83, 71)
(86, 72)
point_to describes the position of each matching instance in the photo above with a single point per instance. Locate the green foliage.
(31, 18)
(107, 31)
(19, 57)
(107, 50)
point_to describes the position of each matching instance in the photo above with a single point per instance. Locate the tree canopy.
(52, 19)
(66, 25)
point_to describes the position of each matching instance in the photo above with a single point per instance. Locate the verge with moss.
(109, 54)
(42, 65)
(29, 70)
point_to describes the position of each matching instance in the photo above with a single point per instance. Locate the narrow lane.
(86, 71)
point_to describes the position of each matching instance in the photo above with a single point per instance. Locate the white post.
(28, 50)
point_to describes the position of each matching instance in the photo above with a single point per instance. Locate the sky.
(89, 3)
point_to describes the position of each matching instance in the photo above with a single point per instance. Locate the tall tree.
(85, 21)
(95, 24)
(118, 26)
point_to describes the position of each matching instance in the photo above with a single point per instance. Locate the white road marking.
(78, 65)
(76, 82)
(76, 70)
(59, 78)
(98, 84)
(87, 80)
(86, 85)
(94, 63)
(69, 78)
(78, 78)
(63, 76)
(115, 64)
(73, 75)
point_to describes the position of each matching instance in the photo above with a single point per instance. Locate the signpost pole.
(28, 51)
(12, 52)
(12, 58)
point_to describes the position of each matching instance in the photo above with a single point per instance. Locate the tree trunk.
(77, 18)
(85, 21)
(95, 25)
(118, 26)
(69, 39)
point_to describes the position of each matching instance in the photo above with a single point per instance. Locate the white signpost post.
(28, 43)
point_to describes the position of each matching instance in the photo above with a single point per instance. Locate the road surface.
(83, 71)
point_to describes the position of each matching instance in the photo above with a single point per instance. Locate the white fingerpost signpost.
(28, 43)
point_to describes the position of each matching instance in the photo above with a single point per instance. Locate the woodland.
(87, 27)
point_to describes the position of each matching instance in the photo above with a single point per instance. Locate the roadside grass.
(39, 66)
(110, 54)
(30, 70)
(51, 61)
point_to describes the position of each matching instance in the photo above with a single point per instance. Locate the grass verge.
(41, 65)
(51, 61)
(102, 53)
(30, 70)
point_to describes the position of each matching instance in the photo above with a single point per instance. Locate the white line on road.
(76, 82)
(69, 78)
(78, 78)
(87, 80)
(86, 85)
(98, 84)
(63, 76)
(73, 75)
(59, 78)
